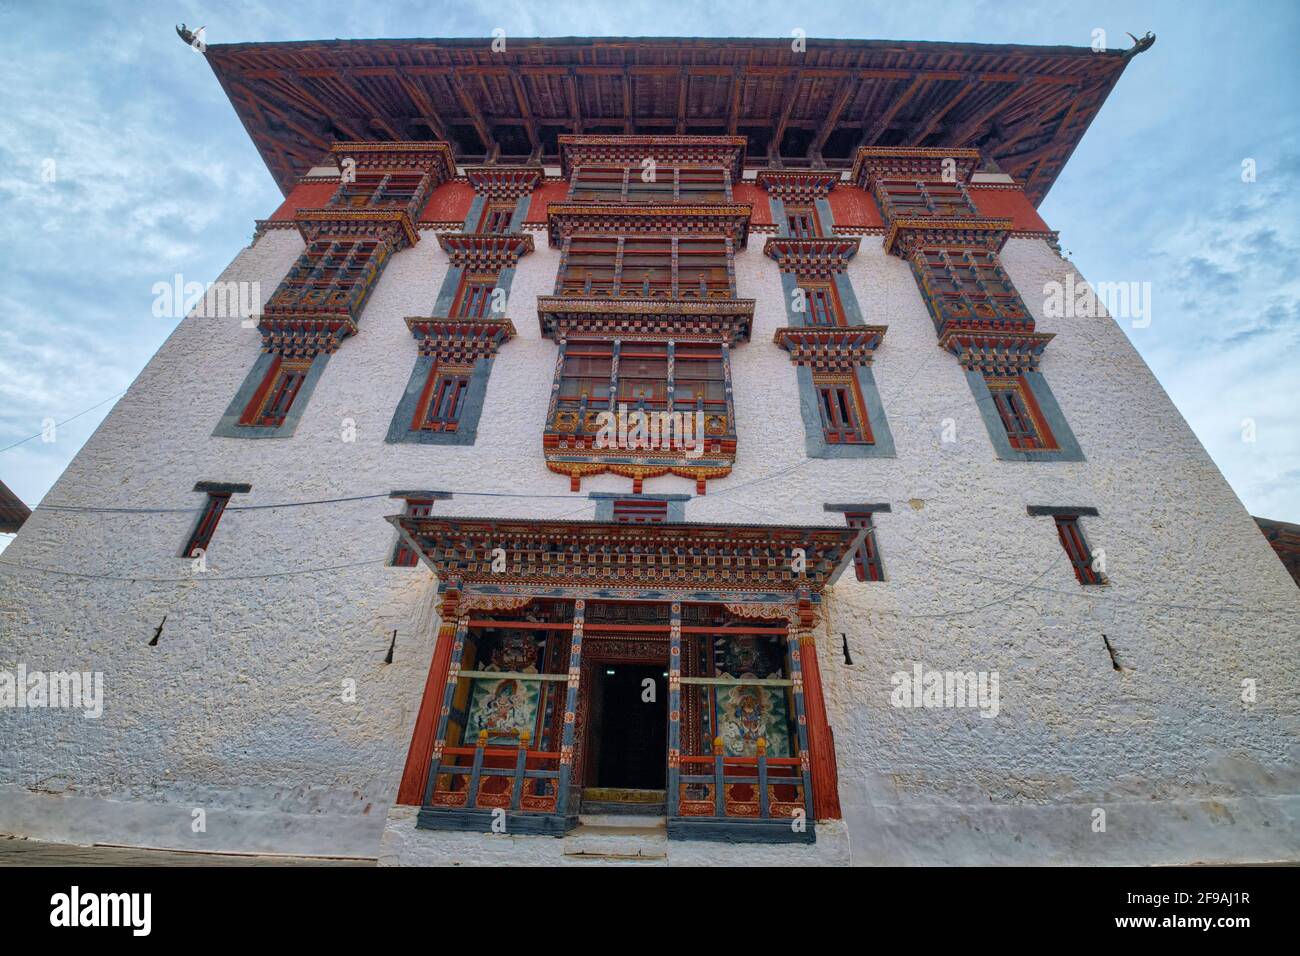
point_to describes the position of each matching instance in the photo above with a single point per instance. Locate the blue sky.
(155, 176)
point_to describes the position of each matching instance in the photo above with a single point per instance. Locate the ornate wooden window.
(443, 399)
(647, 267)
(821, 303)
(275, 396)
(643, 374)
(699, 378)
(844, 419)
(801, 222)
(201, 536)
(687, 184)
(866, 559)
(474, 298)
(1020, 415)
(329, 275)
(586, 373)
(640, 511)
(497, 217)
(378, 188)
(404, 557)
(930, 199)
(970, 284)
(1076, 548)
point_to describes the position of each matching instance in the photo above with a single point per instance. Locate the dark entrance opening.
(633, 726)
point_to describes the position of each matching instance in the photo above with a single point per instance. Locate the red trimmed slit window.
(640, 511)
(844, 418)
(404, 557)
(201, 536)
(822, 304)
(1077, 550)
(801, 222)
(497, 217)
(1020, 415)
(474, 298)
(866, 559)
(275, 396)
(443, 400)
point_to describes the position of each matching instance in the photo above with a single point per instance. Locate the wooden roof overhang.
(730, 219)
(712, 151)
(671, 561)
(811, 256)
(12, 510)
(1024, 107)
(703, 320)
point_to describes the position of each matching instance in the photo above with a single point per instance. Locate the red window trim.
(1037, 436)
(1076, 549)
(257, 412)
(435, 395)
(404, 557)
(843, 422)
(866, 558)
(206, 526)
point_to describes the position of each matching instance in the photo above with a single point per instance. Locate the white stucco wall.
(239, 709)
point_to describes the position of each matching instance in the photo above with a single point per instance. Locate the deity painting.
(747, 657)
(746, 713)
(502, 707)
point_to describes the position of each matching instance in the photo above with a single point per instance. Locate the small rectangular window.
(1076, 548)
(866, 559)
(271, 402)
(404, 557)
(844, 422)
(201, 536)
(443, 399)
(801, 222)
(474, 300)
(640, 511)
(497, 217)
(1019, 413)
(823, 304)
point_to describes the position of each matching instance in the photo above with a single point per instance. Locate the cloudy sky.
(122, 164)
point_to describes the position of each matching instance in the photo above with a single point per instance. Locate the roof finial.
(194, 39)
(1142, 45)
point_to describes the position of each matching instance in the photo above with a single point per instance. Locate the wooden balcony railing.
(472, 785)
(758, 787)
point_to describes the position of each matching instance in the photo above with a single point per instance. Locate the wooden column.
(414, 776)
(571, 709)
(674, 709)
(821, 741)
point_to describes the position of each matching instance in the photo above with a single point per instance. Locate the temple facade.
(653, 451)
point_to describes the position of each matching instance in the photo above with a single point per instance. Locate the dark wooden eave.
(12, 510)
(1024, 107)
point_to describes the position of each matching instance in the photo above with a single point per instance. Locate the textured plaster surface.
(243, 710)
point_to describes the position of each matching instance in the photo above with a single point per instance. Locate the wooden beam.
(795, 81)
(529, 124)
(575, 111)
(737, 87)
(933, 118)
(848, 89)
(475, 117)
(878, 128)
(683, 88)
(424, 105)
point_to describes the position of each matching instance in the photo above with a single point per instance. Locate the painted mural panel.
(745, 713)
(502, 707)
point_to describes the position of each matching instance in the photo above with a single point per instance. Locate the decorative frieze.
(831, 350)
(813, 258)
(485, 252)
(798, 185)
(460, 341)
